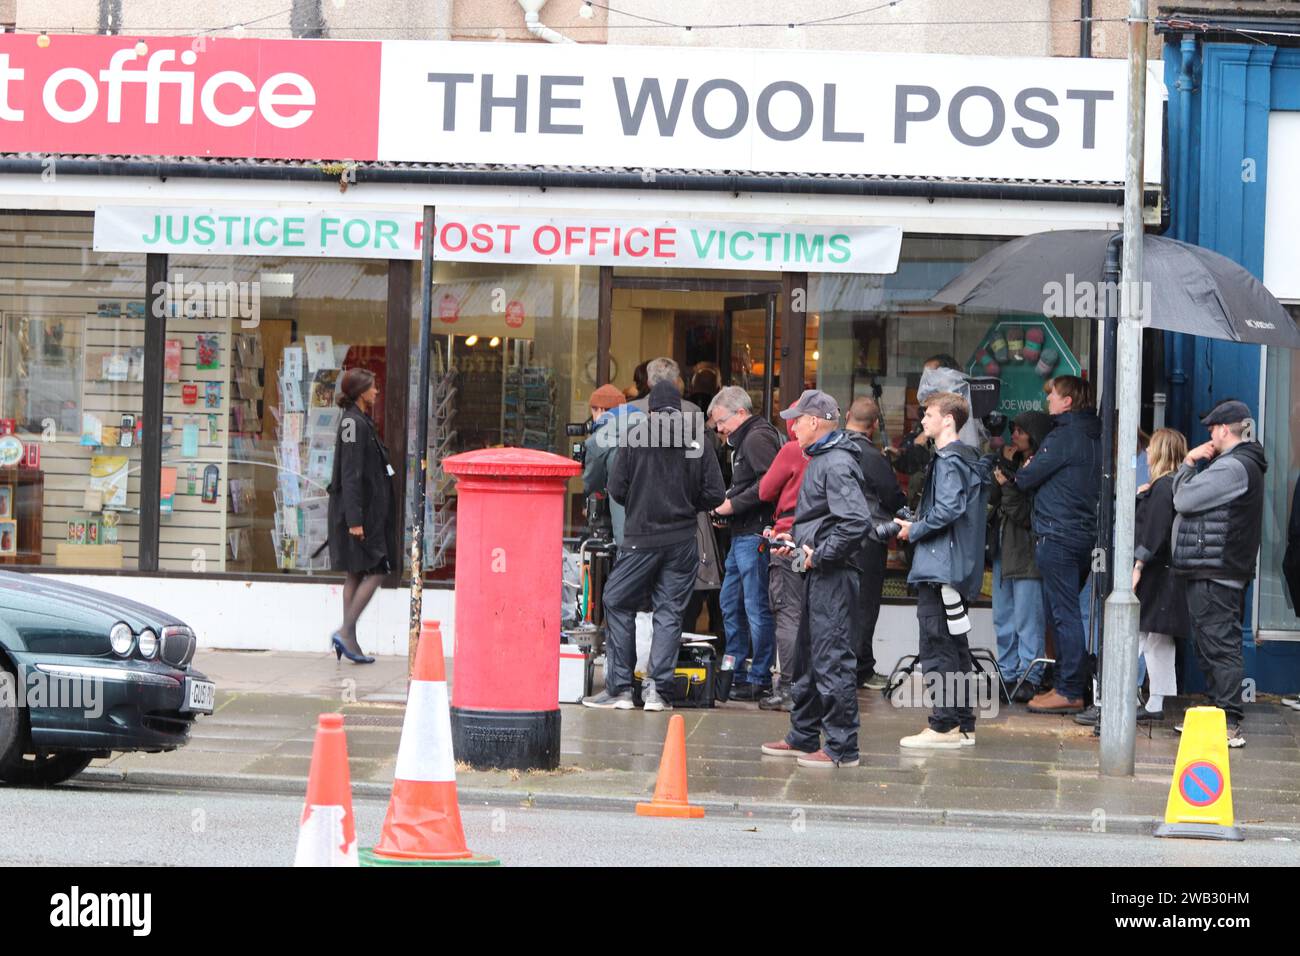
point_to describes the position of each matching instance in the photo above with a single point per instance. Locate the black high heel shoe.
(341, 651)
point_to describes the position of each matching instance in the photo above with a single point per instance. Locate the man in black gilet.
(1216, 540)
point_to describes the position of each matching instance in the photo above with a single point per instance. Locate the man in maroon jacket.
(785, 589)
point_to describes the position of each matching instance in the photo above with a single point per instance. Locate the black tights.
(358, 589)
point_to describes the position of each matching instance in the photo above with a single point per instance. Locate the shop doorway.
(720, 331)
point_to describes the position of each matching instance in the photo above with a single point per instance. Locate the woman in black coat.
(1160, 591)
(361, 521)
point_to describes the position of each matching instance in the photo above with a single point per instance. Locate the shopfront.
(1234, 140)
(171, 337)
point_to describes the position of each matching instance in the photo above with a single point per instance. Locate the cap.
(1227, 413)
(814, 402)
(607, 396)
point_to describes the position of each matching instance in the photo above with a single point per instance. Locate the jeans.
(667, 575)
(824, 701)
(1216, 633)
(1018, 623)
(1064, 567)
(744, 597)
(944, 656)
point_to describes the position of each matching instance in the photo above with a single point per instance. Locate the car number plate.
(200, 695)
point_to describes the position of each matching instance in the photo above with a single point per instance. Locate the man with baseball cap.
(1215, 542)
(831, 520)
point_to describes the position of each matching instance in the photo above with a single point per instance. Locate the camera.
(890, 529)
(578, 449)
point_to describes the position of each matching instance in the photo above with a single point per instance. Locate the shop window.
(254, 348)
(874, 334)
(71, 396)
(1281, 409)
(512, 361)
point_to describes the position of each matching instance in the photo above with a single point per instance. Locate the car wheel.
(11, 718)
(45, 770)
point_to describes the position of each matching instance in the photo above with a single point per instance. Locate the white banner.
(343, 233)
(643, 241)
(779, 111)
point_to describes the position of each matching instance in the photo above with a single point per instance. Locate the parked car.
(84, 673)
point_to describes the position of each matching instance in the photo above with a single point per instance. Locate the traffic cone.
(423, 827)
(670, 787)
(327, 832)
(1200, 795)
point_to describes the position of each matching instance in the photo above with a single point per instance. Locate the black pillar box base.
(506, 740)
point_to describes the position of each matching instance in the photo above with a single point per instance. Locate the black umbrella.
(1188, 289)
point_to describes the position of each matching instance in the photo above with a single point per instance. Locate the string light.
(496, 340)
(43, 40)
(471, 341)
(141, 48)
(586, 11)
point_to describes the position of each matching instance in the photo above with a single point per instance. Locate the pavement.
(1026, 771)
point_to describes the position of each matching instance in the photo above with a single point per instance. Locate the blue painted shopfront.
(1220, 97)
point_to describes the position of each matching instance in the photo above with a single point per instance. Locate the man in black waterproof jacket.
(831, 520)
(1065, 478)
(663, 478)
(860, 425)
(948, 572)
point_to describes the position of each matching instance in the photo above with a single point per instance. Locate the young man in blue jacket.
(948, 571)
(1065, 477)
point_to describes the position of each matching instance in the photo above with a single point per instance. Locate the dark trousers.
(825, 696)
(874, 557)
(1064, 568)
(1216, 633)
(785, 590)
(945, 662)
(667, 575)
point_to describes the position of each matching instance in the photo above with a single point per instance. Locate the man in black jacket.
(831, 519)
(746, 612)
(1216, 540)
(663, 478)
(861, 425)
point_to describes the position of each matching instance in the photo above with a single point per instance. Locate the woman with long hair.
(1160, 591)
(360, 510)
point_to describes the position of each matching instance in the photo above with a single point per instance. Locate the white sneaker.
(931, 739)
(1235, 739)
(967, 738)
(1292, 702)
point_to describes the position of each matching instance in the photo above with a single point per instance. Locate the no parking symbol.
(1201, 783)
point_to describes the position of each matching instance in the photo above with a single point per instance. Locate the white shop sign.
(502, 238)
(779, 111)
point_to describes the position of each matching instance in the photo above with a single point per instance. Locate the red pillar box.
(505, 708)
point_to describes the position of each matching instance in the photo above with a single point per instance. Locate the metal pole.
(421, 399)
(1119, 664)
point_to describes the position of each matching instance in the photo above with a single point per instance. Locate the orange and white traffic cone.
(423, 826)
(670, 787)
(327, 832)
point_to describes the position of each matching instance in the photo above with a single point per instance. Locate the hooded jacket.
(755, 444)
(877, 472)
(781, 483)
(834, 516)
(1216, 533)
(608, 432)
(665, 475)
(948, 533)
(1065, 477)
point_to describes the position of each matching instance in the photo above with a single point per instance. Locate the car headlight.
(148, 644)
(121, 639)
